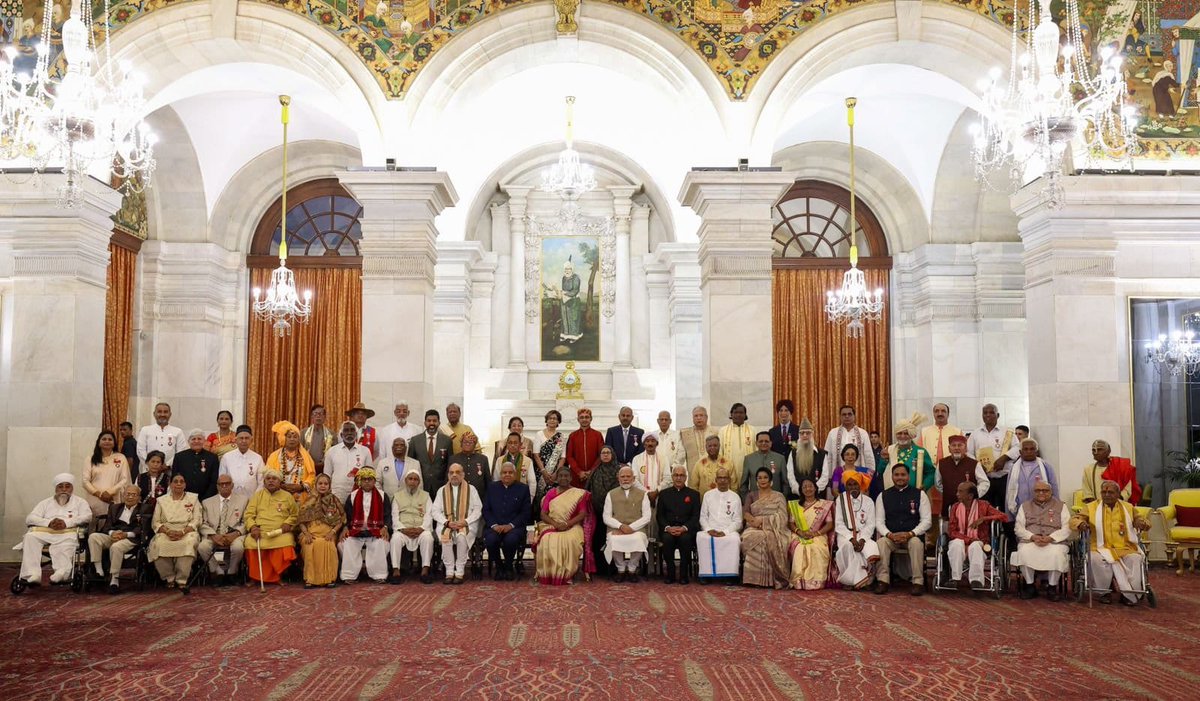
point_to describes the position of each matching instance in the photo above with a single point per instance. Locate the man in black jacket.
(678, 521)
(120, 533)
(198, 466)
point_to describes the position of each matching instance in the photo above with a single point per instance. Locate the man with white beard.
(807, 460)
(53, 522)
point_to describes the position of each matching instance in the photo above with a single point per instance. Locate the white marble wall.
(52, 294)
(1117, 236)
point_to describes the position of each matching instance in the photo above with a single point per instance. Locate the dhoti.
(1127, 572)
(62, 550)
(352, 558)
(973, 553)
(719, 557)
(1053, 558)
(275, 562)
(854, 568)
(423, 542)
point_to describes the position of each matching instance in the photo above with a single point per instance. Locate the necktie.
(939, 448)
(625, 443)
(431, 448)
(221, 520)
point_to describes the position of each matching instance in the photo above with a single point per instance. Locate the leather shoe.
(670, 579)
(684, 580)
(633, 578)
(114, 588)
(918, 590)
(619, 577)
(881, 587)
(1052, 594)
(426, 578)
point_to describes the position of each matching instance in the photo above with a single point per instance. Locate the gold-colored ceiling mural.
(737, 39)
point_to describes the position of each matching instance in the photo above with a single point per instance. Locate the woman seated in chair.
(321, 521)
(176, 526)
(768, 537)
(567, 524)
(812, 519)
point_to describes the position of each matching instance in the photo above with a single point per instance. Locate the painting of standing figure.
(570, 327)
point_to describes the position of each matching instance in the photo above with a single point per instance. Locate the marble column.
(675, 266)
(622, 216)
(639, 247)
(399, 249)
(518, 203)
(53, 263)
(499, 289)
(735, 285)
(452, 297)
(1115, 237)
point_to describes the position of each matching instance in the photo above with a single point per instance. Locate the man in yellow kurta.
(694, 436)
(298, 472)
(1115, 555)
(454, 428)
(737, 440)
(270, 517)
(703, 476)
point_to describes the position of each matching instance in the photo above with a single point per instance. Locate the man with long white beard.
(807, 460)
(53, 522)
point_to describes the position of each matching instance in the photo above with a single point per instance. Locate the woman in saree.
(567, 524)
(515, 425)
(812, 519)
(767, 538)
(602, 481)
(549, 454)
(222, 441)
(321, 520)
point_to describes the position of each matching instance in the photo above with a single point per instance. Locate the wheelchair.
(995, 565)
(135, 558)
(1080, 551)
(79, 564)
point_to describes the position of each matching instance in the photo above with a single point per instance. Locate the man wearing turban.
(904, 451)
(368, 527)
(854, 524)
(53, 522)
(270, 518)
(297, 471)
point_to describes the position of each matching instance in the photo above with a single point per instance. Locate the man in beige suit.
(694, 436)
(222, 528)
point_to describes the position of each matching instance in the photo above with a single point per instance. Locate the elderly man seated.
(122, 532)
(626, 515)
(368, 524)
(457, 509)
(902, 516)
(1042, 529)
(718, 542)
(53, 522)
(1114, 556)
(271, 518)
(506, 511)
(223, 529)
(970, 534)
(854, 523)
(412, 517)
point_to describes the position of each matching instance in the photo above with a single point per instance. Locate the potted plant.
(1182, 468)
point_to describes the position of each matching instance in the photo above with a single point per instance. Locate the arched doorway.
(815, 364)
(321, 361)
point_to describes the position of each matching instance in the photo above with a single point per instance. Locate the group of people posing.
(770, 507)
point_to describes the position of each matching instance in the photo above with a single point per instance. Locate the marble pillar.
(675, 266)
(452, 333)
(735, 284)
(53, 263)
(518, 203)
(1115, 237)
(622, 317)
(639, 246)
(399, 249)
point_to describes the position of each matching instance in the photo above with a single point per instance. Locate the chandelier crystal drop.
(569, 178)
(89, 119)
(852, 303)
(282, 306)
(1177, 355)
(1053, 98)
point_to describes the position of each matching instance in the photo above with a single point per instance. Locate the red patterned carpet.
(597, 641)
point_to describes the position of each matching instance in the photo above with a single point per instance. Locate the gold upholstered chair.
(1181, 521)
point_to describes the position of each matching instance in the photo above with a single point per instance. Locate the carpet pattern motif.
(590, 641)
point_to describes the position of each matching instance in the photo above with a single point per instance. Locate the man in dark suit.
(198, 466)
(678, 517)
(120, 533)
(785, 432)
(625, 439)
(432, 449)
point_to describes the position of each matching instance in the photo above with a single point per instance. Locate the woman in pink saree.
(567, 524)
(812, 519)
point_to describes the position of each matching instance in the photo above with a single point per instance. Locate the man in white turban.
(53, 522)
(906, 452)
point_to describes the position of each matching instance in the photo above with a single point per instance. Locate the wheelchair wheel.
(18, 586)
(77, 580)
(1151, 598)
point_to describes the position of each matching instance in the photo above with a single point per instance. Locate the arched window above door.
(322, 224)
(812, 226)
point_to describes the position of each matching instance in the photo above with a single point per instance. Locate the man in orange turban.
(295, 465)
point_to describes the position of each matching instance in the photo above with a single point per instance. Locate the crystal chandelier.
(88, 119)
(569, 178)
(852, 303)
(1051, 99)
(1177, 355)
(282, 304)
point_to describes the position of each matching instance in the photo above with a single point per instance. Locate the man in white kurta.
(626, 515)
(344, 460)
(412, 519)
(651, 468)
(161, 436)
(53, 522)
(400, 428)
(457, 510)
(1042, 529)
(390, 468)
(244, 466)
(994, 447)
(368, 529)
(854, 524)
(719, 541)
(848, 432)
(670, 444)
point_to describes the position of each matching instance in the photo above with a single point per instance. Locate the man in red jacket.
(583, 448)
(970, 533)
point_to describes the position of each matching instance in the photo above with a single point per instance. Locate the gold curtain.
(118, 335)
(816, 365)
(319, 363)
